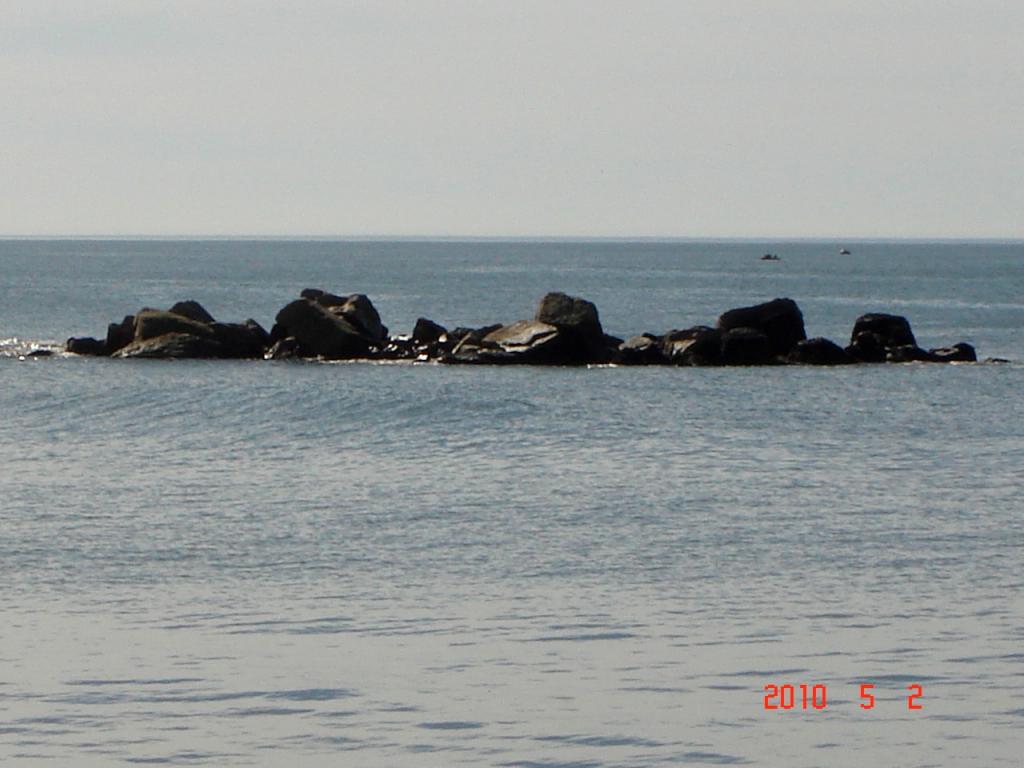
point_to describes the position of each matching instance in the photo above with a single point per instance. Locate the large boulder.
(891, 330)
(172, 345)
(322, 333)
(578, 324)
(780, 320)
(152, 323)
(747, 346)
(818, 351)
(357, 309)
(699, 345)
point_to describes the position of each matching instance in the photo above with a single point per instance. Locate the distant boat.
(771, 257)
(844, 252)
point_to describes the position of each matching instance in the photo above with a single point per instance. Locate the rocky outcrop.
(565, 330)
(185, 330)
(779, 320)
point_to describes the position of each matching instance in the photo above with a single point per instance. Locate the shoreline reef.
(565, 330)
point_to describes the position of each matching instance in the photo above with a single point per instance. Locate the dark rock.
(172, 345)
(867, 347)
(357, 309)
(120, 334)
(891, 330)
(152, 323)
(746, 346)
(780, 320)
(324, 333)
(699, 345)
(86, 346)
(644, 349)
(427, 331)
(193, 310)
(909, 353)
(284, 349)
(241, 340)
(564, 311)
(40, 353)
(958, 353)
(819, 351)
(579, 327)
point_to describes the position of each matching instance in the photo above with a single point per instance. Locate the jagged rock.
(780, 320)
(746, 346)
(172, 345)
(323, 333)
(120, 334)
(891, 330)
(644, 349)
(357, 309)
(699, 345)
(958, 353)
(818, 351)
(193, 310)
(152, 323)
(909, 353)
(86, 346)
(427, 332)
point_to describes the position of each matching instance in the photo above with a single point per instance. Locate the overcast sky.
(688, 118)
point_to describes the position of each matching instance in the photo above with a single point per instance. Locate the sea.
(254, 563)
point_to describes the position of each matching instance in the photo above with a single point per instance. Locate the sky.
(692, 118)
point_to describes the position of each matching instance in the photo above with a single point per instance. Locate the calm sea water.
(244, 563)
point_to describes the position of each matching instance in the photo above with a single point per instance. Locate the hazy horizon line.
(202, 237)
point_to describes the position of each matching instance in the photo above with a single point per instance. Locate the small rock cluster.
(566, 330)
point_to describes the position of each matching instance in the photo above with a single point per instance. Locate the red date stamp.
(811, 697)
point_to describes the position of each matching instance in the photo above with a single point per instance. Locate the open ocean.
(278, 564)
